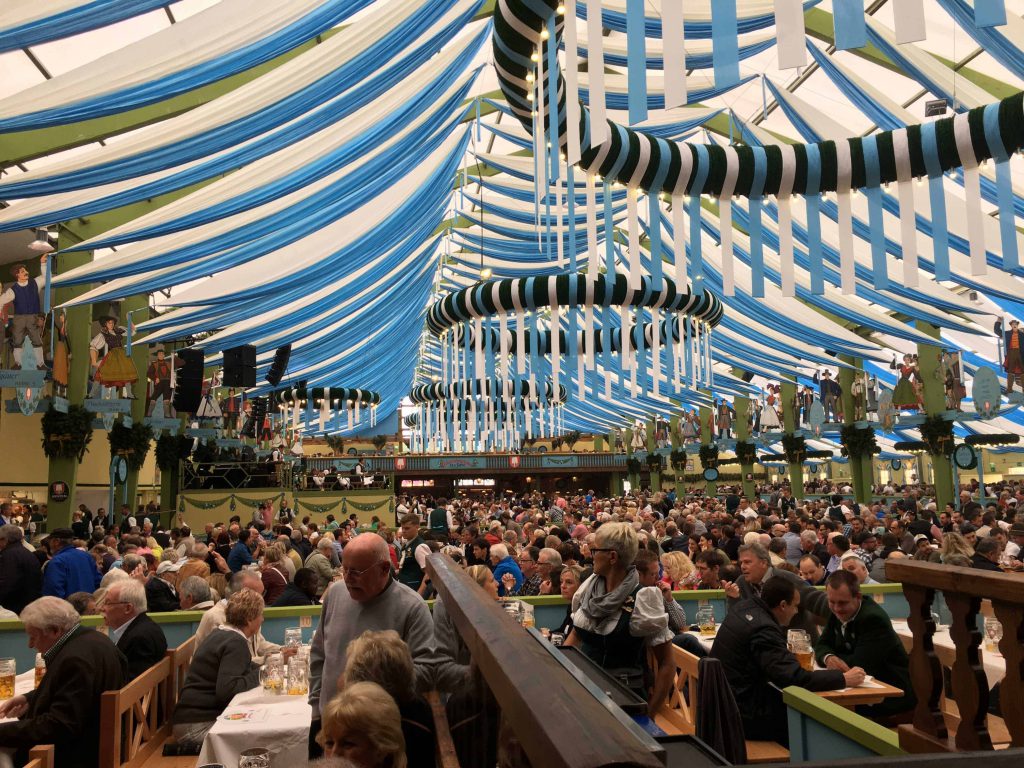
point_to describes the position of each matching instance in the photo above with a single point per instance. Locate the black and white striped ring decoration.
(467, 389)
(637, 159)
(525, 294)
(340, 395)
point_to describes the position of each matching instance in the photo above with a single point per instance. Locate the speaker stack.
(188, 388)
(280, 365)
(240, 366)
(254, 423)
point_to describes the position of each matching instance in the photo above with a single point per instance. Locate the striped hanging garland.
(645, 162)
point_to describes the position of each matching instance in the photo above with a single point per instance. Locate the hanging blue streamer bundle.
(756, 227)
(873, 190)
(849, 24)
(1004, 188)
(937, 199)
(636, 61)
(813, 203)
(725, 54)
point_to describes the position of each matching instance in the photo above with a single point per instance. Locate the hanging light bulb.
(560, 10)
(544, 34)
(485, 273)
(42, 242)
(534, 56)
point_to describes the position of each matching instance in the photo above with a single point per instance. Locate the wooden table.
(873, 692)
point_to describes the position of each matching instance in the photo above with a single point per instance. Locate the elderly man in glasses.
(368, 598)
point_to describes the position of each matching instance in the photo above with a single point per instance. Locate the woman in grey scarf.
(615, 619)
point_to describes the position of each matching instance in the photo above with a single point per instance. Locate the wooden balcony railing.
(963, 590)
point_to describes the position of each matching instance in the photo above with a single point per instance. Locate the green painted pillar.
(934, 403)
(611, 441)
(79, 326)
(790, 426)
(710, 487)
(598, 443)
(140, 357)
(615, 483)
(673, 428)
(861, 492)
(742, 408)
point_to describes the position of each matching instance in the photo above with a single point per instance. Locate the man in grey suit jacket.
(755, 565)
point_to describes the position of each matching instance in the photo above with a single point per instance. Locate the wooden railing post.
(970, 686)
(925, 668)
(1011, 694)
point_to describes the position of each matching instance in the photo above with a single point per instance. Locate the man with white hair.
(217, 615)
(195, 595)
(64, 710)
(136, 635)
(506, 571)
(369, 598)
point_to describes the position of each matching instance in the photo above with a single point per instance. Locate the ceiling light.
(41, 243)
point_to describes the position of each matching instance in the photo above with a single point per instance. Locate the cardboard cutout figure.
(111, 366)
(26, 319)
(1013, 363)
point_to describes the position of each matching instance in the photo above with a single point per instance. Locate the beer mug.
(706, 621)
(8, 671)
(298, 677)
(272, 674)
(799, 643)
(293, 637)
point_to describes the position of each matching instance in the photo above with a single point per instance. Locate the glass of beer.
(8, 671)
(706, 621)
(298, 677)
(799, 643)
(272, 674)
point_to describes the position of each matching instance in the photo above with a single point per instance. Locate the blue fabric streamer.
(655, 234)
(989, 13)
(873, 190)
(636, 61)
(756, 229)
(850, 28)
(620, 101)
(553, 122)
(812, 201)
(1004, 184)
(570, 198)
(937, 199)
(694, 30)
(74, 21)
(279, 41)
(725, 42)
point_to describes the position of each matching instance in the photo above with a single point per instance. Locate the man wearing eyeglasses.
(368, 598)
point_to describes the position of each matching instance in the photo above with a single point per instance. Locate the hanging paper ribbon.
(599, 130)
(673, 53)
(849, 26)
(725, 53)
(633, 235)
(847, 259)
(812, 201)
(756, 226)
(789, 31)
(873, 190)
(908, 218)
(989, 13)
(636, 61)
(937, 200)
(908, 20)
(1004, 188)
(972, 194)
(572, 85)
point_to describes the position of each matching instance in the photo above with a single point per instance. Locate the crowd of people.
(378, 648)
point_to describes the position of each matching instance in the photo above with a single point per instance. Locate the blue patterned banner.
(461, 462)
(22, 379)
(559, 462)
(119, 405)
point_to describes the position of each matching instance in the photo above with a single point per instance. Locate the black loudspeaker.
(280, 365)
(240, 366)
(258, 412)
(188, 388)
(747, 375)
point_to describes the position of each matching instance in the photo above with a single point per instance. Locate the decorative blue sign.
(462, 462)
(202, 432)
(986, 392)
(159, 423)
(229, 442)
(118, 405)
(559, 462)
(60, 404)
(22, 379)
(126, 421)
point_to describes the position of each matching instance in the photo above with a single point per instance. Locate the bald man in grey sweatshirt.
(368, 599)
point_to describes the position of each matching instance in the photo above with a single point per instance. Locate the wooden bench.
(446, 756)
(678, 714)
(135, 721)
(40, 757)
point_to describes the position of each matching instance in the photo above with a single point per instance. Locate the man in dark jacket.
(755, 565)
(136, 635)
(859, 633)
(81, 664)
(751, 644)
(302, 591)
(21, 579)
(986, 555)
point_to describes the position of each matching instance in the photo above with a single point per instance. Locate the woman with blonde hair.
(954, 544)
(384, 658)
(680, 571)
(362, 724)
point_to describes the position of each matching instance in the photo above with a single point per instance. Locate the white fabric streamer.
(908, 20)
(572, 84)
(673, 52)
(599, 132)
(789, 28)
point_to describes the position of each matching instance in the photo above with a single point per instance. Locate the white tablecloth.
(279, 723)
(994, 662)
